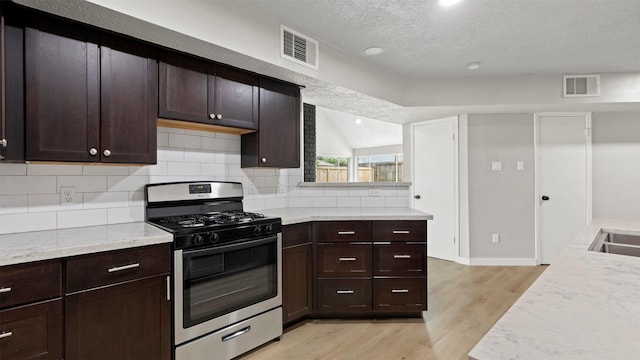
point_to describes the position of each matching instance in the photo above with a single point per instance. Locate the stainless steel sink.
(617, 242)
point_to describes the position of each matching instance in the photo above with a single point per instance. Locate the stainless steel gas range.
(227, 268)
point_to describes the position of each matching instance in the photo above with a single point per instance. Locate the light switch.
(520, 165)
(496, 165)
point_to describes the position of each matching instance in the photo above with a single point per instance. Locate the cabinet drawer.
(399, 295)
(344, 295)
(400, 230)
(342, 231)
(295, 234)
(396, 259)
(89, 271)
(25, 283)
(353, 260)
(32, 331)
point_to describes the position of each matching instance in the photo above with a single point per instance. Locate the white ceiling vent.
(581, 85)
(298, 48)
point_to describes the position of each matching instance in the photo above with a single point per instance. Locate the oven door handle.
(187, 254)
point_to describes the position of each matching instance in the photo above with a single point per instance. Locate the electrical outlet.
(375, 192)
(67, 195)
(495, 238)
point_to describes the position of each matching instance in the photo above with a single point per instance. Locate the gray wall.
(501, 202)
(616, 165)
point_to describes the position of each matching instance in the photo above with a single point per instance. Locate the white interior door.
(563, 181)
(435, 183)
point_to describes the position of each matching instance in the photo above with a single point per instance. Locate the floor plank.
(464, 303)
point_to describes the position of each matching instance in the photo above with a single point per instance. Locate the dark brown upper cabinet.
(88, 101)
(277, 142)
(11, 89)
(208, 93)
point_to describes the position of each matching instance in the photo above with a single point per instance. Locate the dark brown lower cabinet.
(296, 284)
(32, 331)
(124, 321)
(344, 296)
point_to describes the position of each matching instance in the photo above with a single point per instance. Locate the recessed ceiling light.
(473, 66)
(449, 2)
(373, 50)
(358, 121)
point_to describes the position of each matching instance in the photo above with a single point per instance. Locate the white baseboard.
(498, 261)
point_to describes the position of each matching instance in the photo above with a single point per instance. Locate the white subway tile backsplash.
(125, 214)
(13, 204)
(358, 192)
(391, 201)
(276, 203)
(204, 134)
(158, 169)
(20, 185)
(15, 223)
(54, 169)
(106, 200)
(183, 168)
(215, 144)
(199, 156)
(343, 192)
(325, 201)
(185, 141)
(169, 154)
(163, 139)
(234, 146)
(51, 203)
(349, 201)
(255, 205)
(214, 170)
(298, 202)
(71, 219)
(168, 130)
(311, 192)
(83, 183)
(106, 170)
(228, 136)
(127, 183)
(154, 179)
(13, 169)
(136, 198)
(377, 202)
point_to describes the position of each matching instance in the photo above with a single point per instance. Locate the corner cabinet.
(277, 141)
(203, 92)
(90, 98)
(297, 259)
(117, 304)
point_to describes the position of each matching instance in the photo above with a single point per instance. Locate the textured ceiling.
(509, 37)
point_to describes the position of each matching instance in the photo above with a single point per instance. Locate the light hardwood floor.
(464, 303)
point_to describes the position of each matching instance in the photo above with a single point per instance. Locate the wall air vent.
(581, 85)
(298, 48)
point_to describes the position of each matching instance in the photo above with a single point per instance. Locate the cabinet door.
(126, 321)
(62, 92)
(236, 98)
(296, 282)
(32, 331)
(186, 89)
(277, 142)
(12, 93)
(129, 102)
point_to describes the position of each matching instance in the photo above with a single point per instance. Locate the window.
(332, 169)
(380, 168)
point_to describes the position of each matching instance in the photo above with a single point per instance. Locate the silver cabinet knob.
(107, 152)
(212, 116)
(219, 116)
(263, 160)
(93, 151)
(4, 143)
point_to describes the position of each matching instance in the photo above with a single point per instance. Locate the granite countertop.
(584, 306)
(300, 215)
(51, 244)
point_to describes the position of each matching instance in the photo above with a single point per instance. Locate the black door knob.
(417, 197)
(545, 197)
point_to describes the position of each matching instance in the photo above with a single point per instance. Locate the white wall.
(616, 165)
(329, 140)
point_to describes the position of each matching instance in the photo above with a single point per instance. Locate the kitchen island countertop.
(300, 215)
(584, 306)
(51, 244)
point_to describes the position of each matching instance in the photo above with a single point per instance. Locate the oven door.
(218, 286)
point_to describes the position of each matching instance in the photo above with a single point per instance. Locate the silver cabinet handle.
(219, 116)
(168, 288)
(212, 116)
(107, 153)
(5, 290)
(347, 259)
(263, 160)
(399, 291)
(4, 143)
(6, 334)
(401, 231)
(346, 232)
(125, 267)
(236, 334)
(93, 151)
(344, 292)
(402, 256)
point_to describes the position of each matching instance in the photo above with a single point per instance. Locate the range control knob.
(257, 230)
(268, 229)
(197, 239)
(214, 238)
